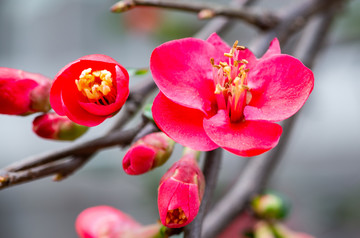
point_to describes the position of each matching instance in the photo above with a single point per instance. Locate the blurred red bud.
(180, 191)
(149, 152)
(23, 93)
(104, 222)
(53, 126)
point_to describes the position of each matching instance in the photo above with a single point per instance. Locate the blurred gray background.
(320, 170)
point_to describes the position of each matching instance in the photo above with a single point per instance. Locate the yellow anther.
(95, 85)
(244, 61)
(230, 55)
(223, 64)
(235, 44)
(219, 89)
(240, 47)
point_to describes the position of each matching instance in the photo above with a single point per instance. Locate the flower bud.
(104, 222)
(23, 93)
(53, 126)
(180, 191)
(149, 152)
(270, 206)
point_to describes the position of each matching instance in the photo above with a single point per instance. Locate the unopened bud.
(270, 206)
(180, 191)
(53, 126)
(23, 93)
(149, 152)
(104, 221)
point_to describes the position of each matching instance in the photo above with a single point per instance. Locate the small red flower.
(53, 126)
(90, 89)
(104, 221)
(23, 93)
(180, 192)
(231, 102)
(149, 152)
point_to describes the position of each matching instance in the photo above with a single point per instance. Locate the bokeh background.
(320, 169)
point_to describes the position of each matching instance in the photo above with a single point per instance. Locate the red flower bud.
(90, 89)
(149, 152)
(53, 126)
(180, 191)
(23, 93)
(104, 222)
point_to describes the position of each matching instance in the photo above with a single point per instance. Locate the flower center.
(97, 86)
(230, 80)
(176, 216)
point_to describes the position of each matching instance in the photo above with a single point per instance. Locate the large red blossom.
(90, 89)
(231, 102)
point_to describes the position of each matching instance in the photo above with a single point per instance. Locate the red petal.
(182, 71)
(274, 49)
(221, 47)
(71, 97)
(280, 85)
(249, 138)
(99, 58)
(183, 125)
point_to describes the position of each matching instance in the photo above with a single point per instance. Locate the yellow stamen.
(95, 85)
(176, 216)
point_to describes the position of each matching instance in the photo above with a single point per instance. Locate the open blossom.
(180, 191)
(212, 95)
(90, 89)
(149, 152)
(23, 93)
(53, 126)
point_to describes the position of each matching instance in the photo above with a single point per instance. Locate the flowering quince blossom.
(180, 191)
(53, 126)
(212, 95)
(23, 93)
(90, 89)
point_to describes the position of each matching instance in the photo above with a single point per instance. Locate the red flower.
(231, 102)
(23, 93)
(90, 89)
(180, 191)
(53, 126)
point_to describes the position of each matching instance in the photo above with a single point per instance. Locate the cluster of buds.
(180, 191)
(109, 222)
(23, 93)
(149, 152)
(53, 126)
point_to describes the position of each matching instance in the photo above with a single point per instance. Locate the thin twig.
(292, 20)
(211, 170)
(257, 170)
(261, 19)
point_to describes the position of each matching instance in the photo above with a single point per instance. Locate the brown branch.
(258, 170)
(211, 170)
(261, 19)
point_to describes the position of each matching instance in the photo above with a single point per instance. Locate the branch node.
(122, 6)
(206, 14)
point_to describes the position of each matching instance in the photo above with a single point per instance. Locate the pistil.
(230, 79)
